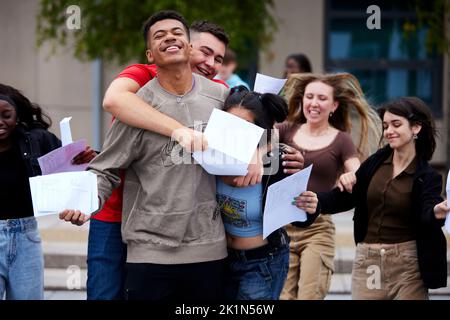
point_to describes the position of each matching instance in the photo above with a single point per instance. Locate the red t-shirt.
(112, 209)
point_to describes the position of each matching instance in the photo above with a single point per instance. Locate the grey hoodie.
(169, 208)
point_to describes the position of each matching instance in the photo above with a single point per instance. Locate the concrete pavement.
(65, 249)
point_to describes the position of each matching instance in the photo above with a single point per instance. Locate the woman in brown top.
(401, 249)
(319, 114)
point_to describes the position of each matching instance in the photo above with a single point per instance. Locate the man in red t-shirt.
(106, 251)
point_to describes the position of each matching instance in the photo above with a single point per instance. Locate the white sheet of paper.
(232, 142)
(278, 210)
(60, 160)
(54, 193)
(66, 134)
(447, 188)
(217, 163)
(266, 84)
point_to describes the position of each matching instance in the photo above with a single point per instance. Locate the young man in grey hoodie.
(175, 239)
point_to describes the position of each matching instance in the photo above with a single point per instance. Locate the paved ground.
(81, 295)
(65, 248)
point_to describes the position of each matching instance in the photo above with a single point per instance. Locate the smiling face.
(8, 120)
(207, 54)
(168, 43)
(397, 131)
(318, 102)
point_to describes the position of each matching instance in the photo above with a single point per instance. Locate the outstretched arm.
(122, 102)
(434, 209)
(120, 149)
(441, 210)
(348, 179)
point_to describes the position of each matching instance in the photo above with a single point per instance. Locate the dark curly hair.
(30, 115)
(163, 15)
(416, 112)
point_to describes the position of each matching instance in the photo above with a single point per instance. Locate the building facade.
(333, 34)
(336, 36)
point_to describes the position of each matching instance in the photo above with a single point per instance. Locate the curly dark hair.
(29, 114)
(416, 112)
(163, 15)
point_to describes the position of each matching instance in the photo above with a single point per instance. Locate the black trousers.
(191, 282)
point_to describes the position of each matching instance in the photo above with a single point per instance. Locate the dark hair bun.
(276, 105)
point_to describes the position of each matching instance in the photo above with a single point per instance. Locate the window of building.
(387, 63)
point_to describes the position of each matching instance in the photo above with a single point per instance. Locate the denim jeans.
(21, 260)
(105, 261)
(257, 279)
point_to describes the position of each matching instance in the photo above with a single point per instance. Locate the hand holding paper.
(279, 210)
(60, 160)
(307, 201)
(74, 216)
(232, 142)
(54, 193)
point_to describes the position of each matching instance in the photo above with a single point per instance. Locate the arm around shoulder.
(114, 94)
(123, 103)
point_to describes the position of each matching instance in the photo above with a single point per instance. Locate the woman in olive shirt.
(401, 249)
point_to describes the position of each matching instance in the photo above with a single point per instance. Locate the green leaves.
(435, 17)
(112, 29)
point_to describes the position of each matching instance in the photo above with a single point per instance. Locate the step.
(81, 295)
(74, 280)
(54, 230)
(341, 284)
(65, 244)
(64, 254)
(70, 279)
(64, 295)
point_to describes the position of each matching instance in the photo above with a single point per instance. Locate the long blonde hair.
(352, 106)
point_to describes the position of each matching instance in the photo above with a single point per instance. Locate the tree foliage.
(112, 29)
(435, 17)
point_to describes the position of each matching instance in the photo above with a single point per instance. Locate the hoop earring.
(415, 136)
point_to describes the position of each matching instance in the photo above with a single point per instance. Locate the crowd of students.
(169, 231)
